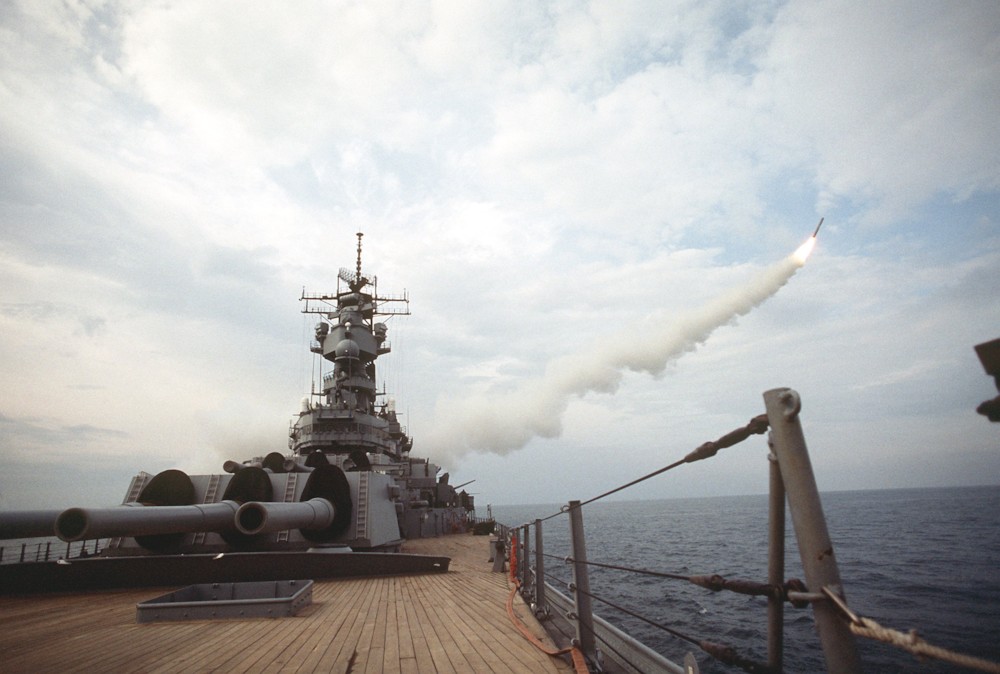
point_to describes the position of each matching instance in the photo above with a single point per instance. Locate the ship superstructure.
(348, 484)
(344, 423)
(347, 420)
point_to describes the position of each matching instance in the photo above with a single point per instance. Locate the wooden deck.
(453, 622)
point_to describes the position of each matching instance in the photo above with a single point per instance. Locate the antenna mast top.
(357, 278)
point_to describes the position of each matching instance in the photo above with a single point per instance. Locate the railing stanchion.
(499, 553)
(816, 550)
(775, 564)
(514, 553)
(539, 569)
(525, 564)
(581, 584)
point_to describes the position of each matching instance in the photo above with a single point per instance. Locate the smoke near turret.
(507, 421)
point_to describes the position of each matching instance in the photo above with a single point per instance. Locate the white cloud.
(896, 98)
(536, 176)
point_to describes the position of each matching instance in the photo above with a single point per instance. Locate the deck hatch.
(228, 601)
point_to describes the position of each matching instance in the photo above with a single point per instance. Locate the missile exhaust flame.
(802, 253)
(503, 422)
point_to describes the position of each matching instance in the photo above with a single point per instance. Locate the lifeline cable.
(713, 582)
(721, 652)
(756, 426)
(610, 647)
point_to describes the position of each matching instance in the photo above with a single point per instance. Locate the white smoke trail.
(501, 423)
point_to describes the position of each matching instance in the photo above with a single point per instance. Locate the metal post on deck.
(775, 564)
(514, 553)
(581, 584)
(540, 607)
(499, 554)
(525, 565)
(816, 550)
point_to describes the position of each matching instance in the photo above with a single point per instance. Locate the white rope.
(910, 641)
(866, 627)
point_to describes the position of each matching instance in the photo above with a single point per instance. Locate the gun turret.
(164, 512)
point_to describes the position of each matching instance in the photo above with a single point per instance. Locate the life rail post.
(775, 563)
(499, 553)
(581, 584)
(539, 570)
(525, 570)
(815, 548)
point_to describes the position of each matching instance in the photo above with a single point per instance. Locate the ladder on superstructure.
(361, 524)
(134, 489)
(210, 494)
(291, 481)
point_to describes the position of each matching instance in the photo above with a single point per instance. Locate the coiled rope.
(579, 662)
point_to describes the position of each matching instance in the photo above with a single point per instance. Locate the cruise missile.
(817, 227)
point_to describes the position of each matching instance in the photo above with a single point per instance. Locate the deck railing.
(46, 550)
(791, 480)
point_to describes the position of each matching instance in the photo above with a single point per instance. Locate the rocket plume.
(504, 422)
(802, 252)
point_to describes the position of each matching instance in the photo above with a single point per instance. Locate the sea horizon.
(612, 499)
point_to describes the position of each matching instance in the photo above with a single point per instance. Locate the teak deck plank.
(424, 659)
(319, 633)
(322, 635)
(453, 622)
(391, 652)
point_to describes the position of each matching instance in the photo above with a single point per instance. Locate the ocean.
(924, 559)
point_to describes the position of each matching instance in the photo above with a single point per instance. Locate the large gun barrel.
(28, 523)
(261, 518)
(134, 519)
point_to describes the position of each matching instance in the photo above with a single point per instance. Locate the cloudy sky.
(563, 189)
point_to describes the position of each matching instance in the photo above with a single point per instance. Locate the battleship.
(349, 484)
(384, 544)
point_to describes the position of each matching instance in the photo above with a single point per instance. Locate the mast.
(346, 419)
